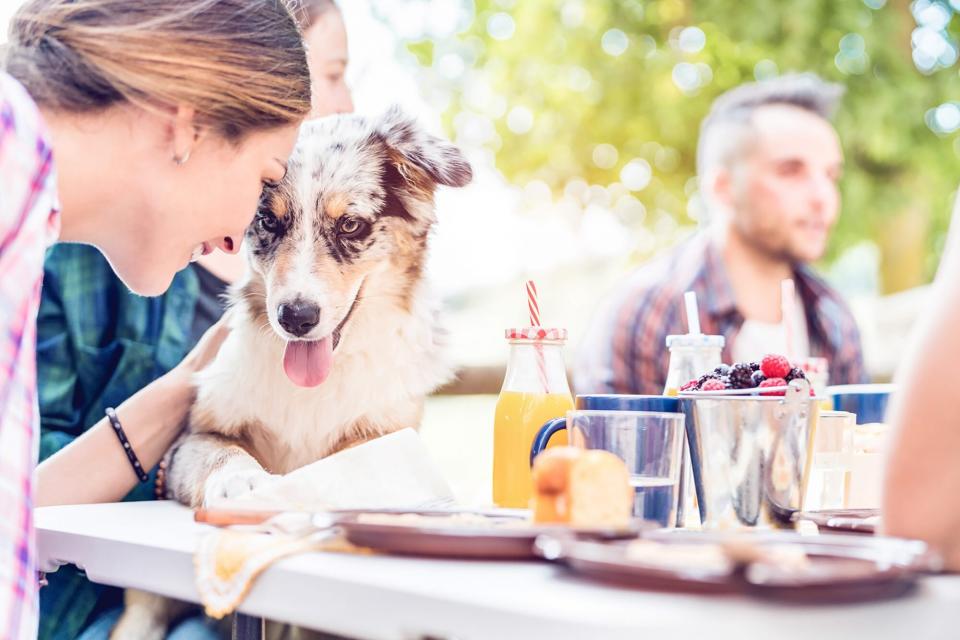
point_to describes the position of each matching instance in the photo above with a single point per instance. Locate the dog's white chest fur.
(388, 361)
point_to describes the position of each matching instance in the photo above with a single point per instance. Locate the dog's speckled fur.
(346, 229)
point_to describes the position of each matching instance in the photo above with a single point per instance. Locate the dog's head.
(355, 208)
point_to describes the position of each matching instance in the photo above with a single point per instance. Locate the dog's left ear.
(416, 150)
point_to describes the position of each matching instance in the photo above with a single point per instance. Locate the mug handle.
(543, 436)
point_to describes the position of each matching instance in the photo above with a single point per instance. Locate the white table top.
(149, 545)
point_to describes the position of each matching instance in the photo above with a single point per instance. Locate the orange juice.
(518, 417)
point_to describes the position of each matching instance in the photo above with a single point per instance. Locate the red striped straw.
(533, 305)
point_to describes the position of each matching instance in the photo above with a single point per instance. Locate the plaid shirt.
(625, 349)
(28, 224)
(97, 345)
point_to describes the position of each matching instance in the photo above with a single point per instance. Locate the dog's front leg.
(205, 468)
(146, 616)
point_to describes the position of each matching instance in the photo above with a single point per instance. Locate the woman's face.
(178, 212)
(327, 57)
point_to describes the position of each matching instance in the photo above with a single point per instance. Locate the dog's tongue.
(308, 364)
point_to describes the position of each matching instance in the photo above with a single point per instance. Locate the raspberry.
(757, 378)
(702, 379)
(740, 376)
(713, 385)
(773, 382)
(689, 385)
(774, 366)
(795, 373)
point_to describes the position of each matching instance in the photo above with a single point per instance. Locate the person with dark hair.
(326, 38)
(768, 164)
(98, 342)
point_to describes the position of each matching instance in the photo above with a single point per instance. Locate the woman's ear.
(185, 133)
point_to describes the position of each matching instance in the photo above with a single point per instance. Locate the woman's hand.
(206, 349)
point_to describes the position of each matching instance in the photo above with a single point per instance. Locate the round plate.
(839, 570)
(830, 580)
(611, 564)
(859, 521)
(913, 555)
(494, 538)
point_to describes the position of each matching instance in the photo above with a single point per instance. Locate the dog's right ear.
(415, 151)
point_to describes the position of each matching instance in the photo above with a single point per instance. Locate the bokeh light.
(501, 26)
(636, 174)
(615, 42)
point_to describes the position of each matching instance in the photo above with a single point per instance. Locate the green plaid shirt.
(97, 344)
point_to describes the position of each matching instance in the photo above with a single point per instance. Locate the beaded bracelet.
(131, 456)
(160, 484)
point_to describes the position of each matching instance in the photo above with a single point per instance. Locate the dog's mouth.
(308, 363)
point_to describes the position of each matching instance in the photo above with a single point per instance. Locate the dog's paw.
(233, 481)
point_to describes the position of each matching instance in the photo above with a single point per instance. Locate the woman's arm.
(923, 474)
(94, 467)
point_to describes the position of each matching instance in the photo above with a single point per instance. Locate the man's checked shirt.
(625, 349)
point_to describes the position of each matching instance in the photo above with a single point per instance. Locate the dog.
(334, 333)
(334, 336)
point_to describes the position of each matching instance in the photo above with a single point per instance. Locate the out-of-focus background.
(581, 120)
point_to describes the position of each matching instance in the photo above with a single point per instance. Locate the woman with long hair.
(98, 342)
(145, 128)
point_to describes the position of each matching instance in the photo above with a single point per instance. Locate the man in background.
(768, 163)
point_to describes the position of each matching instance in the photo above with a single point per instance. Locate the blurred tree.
(612, 91)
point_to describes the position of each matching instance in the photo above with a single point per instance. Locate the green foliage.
(581, 96)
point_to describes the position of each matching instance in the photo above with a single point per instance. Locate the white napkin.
(393, 471)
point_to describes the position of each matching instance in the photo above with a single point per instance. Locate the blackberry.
(722, 370)
(740, 376)
(795, 373)
(757, 378)
(704, 378)
(726, 382)
(755, 366)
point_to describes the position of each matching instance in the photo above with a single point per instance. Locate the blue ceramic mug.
(868, 401)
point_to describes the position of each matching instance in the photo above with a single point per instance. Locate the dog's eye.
(351, 227)
(267, 222)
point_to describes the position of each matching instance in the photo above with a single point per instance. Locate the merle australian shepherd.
(334, 337)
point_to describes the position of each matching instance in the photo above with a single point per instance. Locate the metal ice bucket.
(749, 455)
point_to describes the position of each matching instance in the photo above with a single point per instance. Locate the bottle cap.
(536, 333)
(695, 341)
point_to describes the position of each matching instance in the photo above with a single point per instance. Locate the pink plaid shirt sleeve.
(28, 224)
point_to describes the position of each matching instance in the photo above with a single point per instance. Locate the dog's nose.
(298, 317)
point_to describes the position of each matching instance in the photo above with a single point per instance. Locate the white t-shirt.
(756, 339)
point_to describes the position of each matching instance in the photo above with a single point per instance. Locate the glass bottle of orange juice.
(535, 390)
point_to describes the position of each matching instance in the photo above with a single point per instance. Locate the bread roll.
(581, 488)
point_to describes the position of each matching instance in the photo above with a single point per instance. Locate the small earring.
(181, 160)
